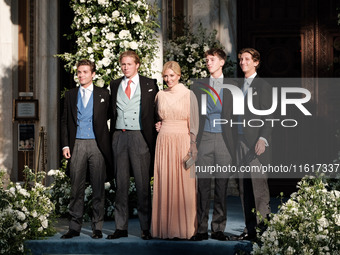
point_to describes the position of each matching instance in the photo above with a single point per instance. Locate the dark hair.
(86, 62)
(129, 53)
(254, 54)
(216, 52)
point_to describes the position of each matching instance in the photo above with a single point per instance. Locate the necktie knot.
(85, 97)
(128, 89)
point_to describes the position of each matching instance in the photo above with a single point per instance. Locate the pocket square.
(102, 100)
(150, 90)
(255, 93)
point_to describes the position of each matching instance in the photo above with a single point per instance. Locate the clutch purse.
(188, 161)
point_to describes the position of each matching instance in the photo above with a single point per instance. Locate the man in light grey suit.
(133, 142)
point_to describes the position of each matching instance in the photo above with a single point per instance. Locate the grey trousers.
(254, 191)
(131, 152)
(87, 156)
(212, 151)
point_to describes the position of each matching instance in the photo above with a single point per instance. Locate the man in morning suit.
(254, 189)
(86, 142)
(133, 141)
(215, 147)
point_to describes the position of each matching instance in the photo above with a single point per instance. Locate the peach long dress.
(174, 194)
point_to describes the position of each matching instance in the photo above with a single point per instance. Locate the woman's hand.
(158, 126)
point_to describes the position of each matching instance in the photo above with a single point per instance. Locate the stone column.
(46, 76)
(8, 59)
(158, 63)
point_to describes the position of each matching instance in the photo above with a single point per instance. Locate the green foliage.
(188, 50)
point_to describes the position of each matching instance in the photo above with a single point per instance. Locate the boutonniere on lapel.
(254, 91)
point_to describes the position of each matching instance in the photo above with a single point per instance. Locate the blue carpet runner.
(84, 244)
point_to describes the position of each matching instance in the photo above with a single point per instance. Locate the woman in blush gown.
(174, 194)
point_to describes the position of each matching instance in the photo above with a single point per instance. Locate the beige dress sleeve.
(194, 122)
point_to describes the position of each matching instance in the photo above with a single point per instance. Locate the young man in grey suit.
(254, 189)
(133, 141)
(85, 141)
(215, 147)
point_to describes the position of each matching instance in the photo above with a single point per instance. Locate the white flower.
(82, 1)
(100, 83)
(12, 191)
(135, 18)
(102, 20)
(51, 172)
(124, 34)
(133, 45)
(107, 185)
(21, 215)
(89, 50)
(110, 36)
(115, 14)
(106, 62)
(102, 2)
(86, 20)
(290, 250)
(107, 53)
(34, 214)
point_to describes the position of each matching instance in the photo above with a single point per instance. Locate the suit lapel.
(73, 102)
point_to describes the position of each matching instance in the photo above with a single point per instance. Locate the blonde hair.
(174, 66)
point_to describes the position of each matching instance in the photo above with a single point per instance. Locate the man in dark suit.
(254, 189)
(85, 141)
(133, 141)
(215, 148)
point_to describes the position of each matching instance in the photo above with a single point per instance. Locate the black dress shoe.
(146, 235)
(97, 234)
(118, 234)
(71, 233)
(219, 235)
(245, 237)
(199, 237)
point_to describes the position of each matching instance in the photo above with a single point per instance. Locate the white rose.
(82, 1)
(133, 45)
(102, 2)
(107, 185)
(86, 20)
(44, 223)
(107, 53)
(93, 30)
(124, 34)
(110, 36)
(89, 50)
(51, 172)
(102, 20)
(106, 62)
(21, 215)
(126, 44)
(100, 83)
(115, 14)
(135, 18)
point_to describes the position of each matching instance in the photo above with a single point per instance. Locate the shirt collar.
(250, 78)
(89, 88)
(134, 79)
